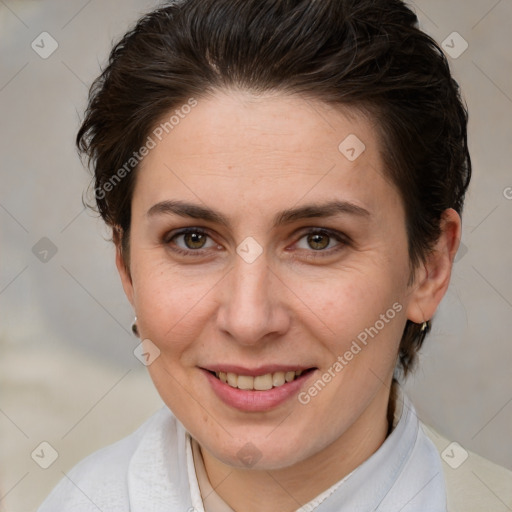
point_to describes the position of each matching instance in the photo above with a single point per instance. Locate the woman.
(284, 180)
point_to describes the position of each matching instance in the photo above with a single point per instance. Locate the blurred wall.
(68, 375)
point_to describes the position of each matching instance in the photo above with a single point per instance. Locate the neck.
(283, 489)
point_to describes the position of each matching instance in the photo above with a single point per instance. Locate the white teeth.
(259, 383)
(232, 380)
(245, 382)
(289, 376)
(263, 382)
(278, 379)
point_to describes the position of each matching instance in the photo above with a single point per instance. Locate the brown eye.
(321, 242)
(194, 240)
(190, 241)
(318, 241)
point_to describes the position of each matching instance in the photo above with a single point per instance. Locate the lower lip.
(256, 401)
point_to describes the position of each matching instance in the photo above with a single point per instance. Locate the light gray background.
(67, 372)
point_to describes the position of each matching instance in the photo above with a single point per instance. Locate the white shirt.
(153, 470)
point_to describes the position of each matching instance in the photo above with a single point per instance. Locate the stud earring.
(135, 329)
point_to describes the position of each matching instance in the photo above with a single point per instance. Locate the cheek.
(171, 306)
(365, 316)
(352, 300)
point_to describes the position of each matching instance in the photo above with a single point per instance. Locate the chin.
(262, 451)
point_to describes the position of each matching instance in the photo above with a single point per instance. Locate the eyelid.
(183, 231)
(168, 237)
(339, 235)
(342, 238)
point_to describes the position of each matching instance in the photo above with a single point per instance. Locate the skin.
(249, 158)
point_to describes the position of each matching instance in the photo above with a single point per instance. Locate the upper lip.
(254, 372)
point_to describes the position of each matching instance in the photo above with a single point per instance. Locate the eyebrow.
(195, 211)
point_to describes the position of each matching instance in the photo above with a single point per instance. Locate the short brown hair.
(366, 54)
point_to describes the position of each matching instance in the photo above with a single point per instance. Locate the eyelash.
(343, 240)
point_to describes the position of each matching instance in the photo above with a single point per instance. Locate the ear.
(124, 273)
(433, 278)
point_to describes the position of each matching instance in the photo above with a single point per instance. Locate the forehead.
(264, 151)
(236, 123)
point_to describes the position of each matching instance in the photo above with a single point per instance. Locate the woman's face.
(259, 247)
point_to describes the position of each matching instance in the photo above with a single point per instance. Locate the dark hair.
(365, 54)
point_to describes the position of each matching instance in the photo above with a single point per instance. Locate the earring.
(135, 330)
(424, 325)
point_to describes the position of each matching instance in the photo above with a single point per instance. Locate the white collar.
(405, 474)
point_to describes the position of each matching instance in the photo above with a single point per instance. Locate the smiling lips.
(258, 389)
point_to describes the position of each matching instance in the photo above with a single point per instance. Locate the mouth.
(259, 389)
(263, 382)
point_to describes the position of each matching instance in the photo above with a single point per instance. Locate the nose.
(252, 309)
